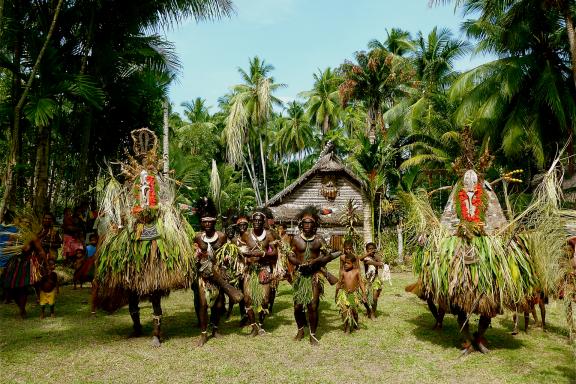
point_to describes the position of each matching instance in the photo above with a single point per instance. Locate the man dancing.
(309, 253)
(260, 254)
(206, 289)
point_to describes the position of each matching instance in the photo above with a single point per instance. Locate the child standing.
(48, 289)
(350, 290)
(372, 263)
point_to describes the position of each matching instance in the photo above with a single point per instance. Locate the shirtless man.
(206, 288)
(308, 255)
(260, 254)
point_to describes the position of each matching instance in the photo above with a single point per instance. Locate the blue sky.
(296, 36)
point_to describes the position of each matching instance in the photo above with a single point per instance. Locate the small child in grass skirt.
(350, 290)
(374, 282)
(48, 289)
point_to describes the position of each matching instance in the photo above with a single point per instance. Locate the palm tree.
(425, 108)
(250, 111)
(522, 101)
(323, 102)
(296, 134)
(563, 7)
(196, 111)
(376, 80)
(192, 135)
(370, 161)
(397, 42)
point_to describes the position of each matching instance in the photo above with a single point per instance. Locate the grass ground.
(399, 346)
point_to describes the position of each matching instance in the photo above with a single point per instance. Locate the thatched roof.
(328, 162)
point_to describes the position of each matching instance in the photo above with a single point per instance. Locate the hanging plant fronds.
(127, 259)
(215, 184)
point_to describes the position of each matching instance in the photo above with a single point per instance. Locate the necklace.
(258, 238)
(307, 239)
(211, 239)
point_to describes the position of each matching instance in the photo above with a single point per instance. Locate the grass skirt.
(349, 303)
(253, 287)
(144, 266)
(477, 275)
(303, 287)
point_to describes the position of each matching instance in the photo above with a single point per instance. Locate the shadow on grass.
(449, 336)
(550, 328)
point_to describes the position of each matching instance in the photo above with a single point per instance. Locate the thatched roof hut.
(329, 184)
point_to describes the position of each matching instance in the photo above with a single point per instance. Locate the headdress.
(206, 209)
(310, 211)
(259, 212)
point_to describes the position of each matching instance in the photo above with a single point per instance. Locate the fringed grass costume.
(473, 260)
(147, 247)
(348, 304)
(467, 261)
(304, 283)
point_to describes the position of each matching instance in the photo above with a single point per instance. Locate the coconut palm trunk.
(253, 176)
(325, 124)
(367, 209)
(263, 161)
(400, 236)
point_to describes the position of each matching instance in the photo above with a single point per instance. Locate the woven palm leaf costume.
(147, 246)
(468, 262)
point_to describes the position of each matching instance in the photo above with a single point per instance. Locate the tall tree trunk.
(263, 160)
(1, 17)
(12, 160)
(253, 176)
(82, 174)
(571, 36)
(286, 174)
(572, 42)
(379, 220)
(325, 124)
(41, 201)
(51, 184)
(165, 142)
(299, 155)
(400, 236)
(367, 222)
(253, 181)
(9, 197)
(371, 117)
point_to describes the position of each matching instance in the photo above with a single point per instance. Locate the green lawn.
(397, 347)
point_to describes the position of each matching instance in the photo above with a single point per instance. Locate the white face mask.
(470, 180)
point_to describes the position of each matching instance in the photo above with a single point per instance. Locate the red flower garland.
(152, 192)
(476, 202)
